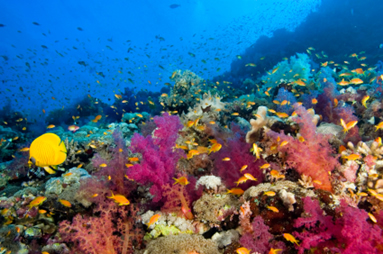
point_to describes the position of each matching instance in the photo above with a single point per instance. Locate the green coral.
(164, 230)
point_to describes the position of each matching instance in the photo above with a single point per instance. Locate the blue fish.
(173, 6)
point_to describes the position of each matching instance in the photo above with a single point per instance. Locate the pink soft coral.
(349, 233)
(312, 157)
(159, 157)
(238, 151)
(260, 240)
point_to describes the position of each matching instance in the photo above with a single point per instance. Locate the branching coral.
(312, 157)
(239, 153)
(114, 167)
(159, 158)
(112, 232)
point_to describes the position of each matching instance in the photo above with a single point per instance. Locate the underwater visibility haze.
(191, 127)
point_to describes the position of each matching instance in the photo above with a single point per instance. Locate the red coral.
(159, 158)
(176, 201)
(313, 157)
(102, 234)
(238, 151)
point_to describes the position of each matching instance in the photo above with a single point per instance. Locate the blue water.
(148, 34)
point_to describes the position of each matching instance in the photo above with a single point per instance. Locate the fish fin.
(49, 170)
(112, 195)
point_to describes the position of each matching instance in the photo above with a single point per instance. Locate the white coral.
(209, 182)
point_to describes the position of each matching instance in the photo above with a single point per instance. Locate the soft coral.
(159, 158)
(238, 151)
(115, 167)
(349, 233)
(312, 157)
(111, 232)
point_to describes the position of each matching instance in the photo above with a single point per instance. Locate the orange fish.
(242, 179)
(182, 180)
(348, 126)
(236, 191)
(226, 159)
(243, 250)
(98, 117)
(379, 126)
(153, 219)
(276, 174)
(281, 114)
(51, 126)
(341, 149)
(65, 203)
(269, 193)
(36, 202)
(299, 82)
(275, 70)
(358, 70)
(265, 166)
(191, 154)
(352, 157)
(345, 74)
(284, 102)
(372, 217)
(243, 168)
(343, 83)
(273, 208)
(335, 102)
(256, 150)
(356, 81)
(134, 159)
(215, 147)
(250, 177)
(290, 238)
(120, 199)
(274, 251)
(364, 100)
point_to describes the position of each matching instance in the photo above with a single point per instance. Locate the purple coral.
(238, 151)
(260, 239)
(159, 158)
(116, 166)
(350, 233)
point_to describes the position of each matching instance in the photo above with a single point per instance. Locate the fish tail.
(112, 195)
